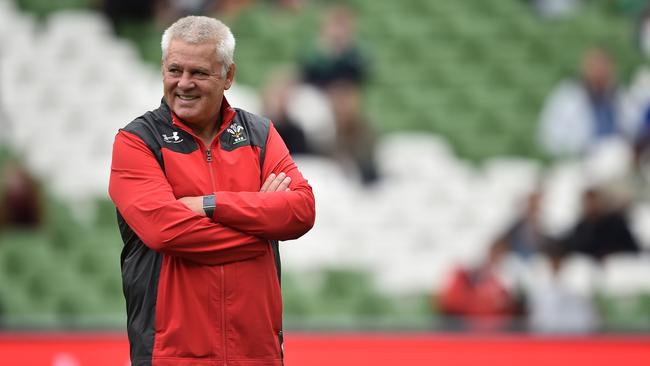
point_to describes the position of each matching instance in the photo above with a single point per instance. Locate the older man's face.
(193, 85)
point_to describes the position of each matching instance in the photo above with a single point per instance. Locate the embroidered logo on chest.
(173, 139)
(237, 132)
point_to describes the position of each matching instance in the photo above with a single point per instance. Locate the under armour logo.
(174, 139)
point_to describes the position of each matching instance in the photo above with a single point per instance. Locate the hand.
(194, 203)
(279, 183)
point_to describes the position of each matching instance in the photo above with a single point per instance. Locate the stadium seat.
(475, 73)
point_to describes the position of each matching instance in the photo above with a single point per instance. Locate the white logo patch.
(174, 139)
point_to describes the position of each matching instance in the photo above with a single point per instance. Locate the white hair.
(201, 29)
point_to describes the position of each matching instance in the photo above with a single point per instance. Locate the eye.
(200, 74)
(174, 71)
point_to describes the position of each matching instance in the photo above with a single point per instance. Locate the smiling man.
(203, 193)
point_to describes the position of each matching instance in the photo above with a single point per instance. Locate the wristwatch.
(208, 205)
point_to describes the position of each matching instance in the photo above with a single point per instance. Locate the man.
(203, 193)
(602, 229)
(578, 114)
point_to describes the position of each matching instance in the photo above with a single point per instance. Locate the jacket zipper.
(208, 158)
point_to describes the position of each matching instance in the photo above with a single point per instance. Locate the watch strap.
(209, 204)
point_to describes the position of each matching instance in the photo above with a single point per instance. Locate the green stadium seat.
(475, 71)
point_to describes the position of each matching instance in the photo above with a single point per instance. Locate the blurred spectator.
(20, 202)
(554, 306)
(276, 96)
(639, 94)
(339, 68)
(580, 113)
(478, 298)
(312, 110)
(525, 237)
(602, 228)
(337, 55)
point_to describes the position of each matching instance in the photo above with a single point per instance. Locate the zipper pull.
(208, 155)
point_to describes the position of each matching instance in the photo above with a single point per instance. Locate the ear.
(230, 76)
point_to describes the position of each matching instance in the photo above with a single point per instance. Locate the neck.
(208, 131)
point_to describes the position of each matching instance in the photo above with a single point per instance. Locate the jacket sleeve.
(270, 215)
(144, 197)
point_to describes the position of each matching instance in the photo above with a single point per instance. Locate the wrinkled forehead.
(183, 52)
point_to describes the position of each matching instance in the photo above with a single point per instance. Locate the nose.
(185, 81)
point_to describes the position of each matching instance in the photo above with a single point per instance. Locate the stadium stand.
(69, 84)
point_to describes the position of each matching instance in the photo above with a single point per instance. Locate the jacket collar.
(227, 113)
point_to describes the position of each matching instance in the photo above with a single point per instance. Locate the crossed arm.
(243, 222)
(273, 183)
(283, 209)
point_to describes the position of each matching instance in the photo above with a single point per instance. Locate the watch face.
(208, 201)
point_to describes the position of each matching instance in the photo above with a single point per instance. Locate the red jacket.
(204, 291)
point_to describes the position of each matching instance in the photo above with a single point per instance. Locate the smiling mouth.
(187, 97)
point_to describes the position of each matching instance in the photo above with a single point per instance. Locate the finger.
(268, 181)
(288, 190)
(284, 185)
(276, 183)
(273, 187)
